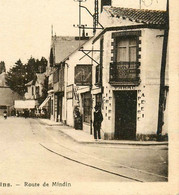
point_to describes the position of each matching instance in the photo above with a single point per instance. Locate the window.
(37, 89)
(3, 107)
(100, 65)
(126, 49)
(99, 99)
(87, 109)
(124, 70)
(32, 90)
(83, 74)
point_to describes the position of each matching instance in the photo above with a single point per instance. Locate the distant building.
(35, 87)
(61, 48)
(7, 96)
(2, 67)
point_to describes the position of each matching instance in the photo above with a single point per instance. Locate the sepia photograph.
(87, 94)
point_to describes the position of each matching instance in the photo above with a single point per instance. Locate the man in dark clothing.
(5, 114)
(98, 118)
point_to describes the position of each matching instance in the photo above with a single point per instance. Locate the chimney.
(105, 3)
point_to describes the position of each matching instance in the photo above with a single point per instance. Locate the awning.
(44, 102)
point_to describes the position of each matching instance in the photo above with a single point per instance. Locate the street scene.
(42, 151)
(84, 96)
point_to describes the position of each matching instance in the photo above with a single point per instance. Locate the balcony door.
(125, 115)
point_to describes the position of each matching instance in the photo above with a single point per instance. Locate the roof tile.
(139, 15)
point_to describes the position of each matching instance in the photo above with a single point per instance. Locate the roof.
(38, 78)
(64, 46)
(138, 15)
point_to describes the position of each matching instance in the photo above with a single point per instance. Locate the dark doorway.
(125, 115)
(59, 108)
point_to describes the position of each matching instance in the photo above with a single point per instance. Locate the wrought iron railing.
(123, 73)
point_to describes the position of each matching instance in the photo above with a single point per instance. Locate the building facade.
(61, 48)
(120, 70)
(7, 96)
(130, 65)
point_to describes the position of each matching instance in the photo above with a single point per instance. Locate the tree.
(20, 74)
(15, 78)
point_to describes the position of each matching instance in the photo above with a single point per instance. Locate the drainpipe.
(65, 85)
(162, 78)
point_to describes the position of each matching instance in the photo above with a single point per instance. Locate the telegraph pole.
(162, 76)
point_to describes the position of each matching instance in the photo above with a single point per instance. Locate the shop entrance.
(59, 108)
(125, 115)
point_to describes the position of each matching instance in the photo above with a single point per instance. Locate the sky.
(25, 25)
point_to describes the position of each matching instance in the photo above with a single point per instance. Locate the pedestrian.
(5, 114)
(77, 118)
(98, 118)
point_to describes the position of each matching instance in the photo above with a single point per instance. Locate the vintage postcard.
(89, 97)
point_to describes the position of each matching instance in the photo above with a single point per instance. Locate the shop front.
(125, 115)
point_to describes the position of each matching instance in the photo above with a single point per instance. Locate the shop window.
(87, 109)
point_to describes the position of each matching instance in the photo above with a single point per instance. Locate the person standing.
(5, 114)
(98, 118)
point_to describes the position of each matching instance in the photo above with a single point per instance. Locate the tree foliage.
(20, 74)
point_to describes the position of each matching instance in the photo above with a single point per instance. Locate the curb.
(52, 124)
(107, 142)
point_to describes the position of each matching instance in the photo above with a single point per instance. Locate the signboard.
(69, 91)
(83, 74)
(56, 76)
(55, 103)
(25, 104)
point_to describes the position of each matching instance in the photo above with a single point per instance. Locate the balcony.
(124, 73)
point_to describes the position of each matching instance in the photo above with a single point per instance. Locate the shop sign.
(83, 75)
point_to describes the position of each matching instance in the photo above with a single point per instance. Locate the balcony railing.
(124, 73)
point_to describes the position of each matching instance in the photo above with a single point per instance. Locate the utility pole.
(162, 77)
(139, 4)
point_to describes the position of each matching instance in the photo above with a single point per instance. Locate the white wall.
(148, 90)
(76, 58)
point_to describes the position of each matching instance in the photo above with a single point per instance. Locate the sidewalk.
(81, 136)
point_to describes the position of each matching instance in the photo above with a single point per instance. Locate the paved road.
(32, 152)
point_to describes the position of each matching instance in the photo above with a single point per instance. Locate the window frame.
(125, 34)
(89, 108)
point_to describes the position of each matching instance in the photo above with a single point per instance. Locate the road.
(34, 153)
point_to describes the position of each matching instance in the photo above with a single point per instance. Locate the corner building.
(126, 79)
